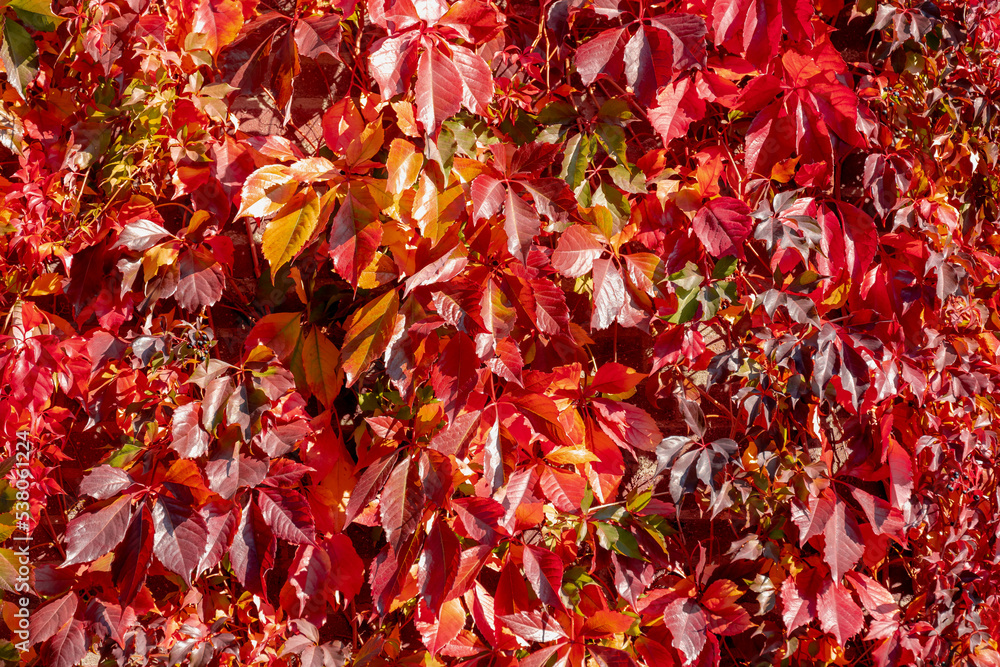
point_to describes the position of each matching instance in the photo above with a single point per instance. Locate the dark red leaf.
(90, 535)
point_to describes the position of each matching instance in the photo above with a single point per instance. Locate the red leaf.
(551, 312)
(627, 425)
(812, 521)
(48, 620)
(347, 573)
(389, 571)
(481, 518)
(393, 63)
(368, 486)
(218, 21)
(401, 503)
(768, 140)
(90, 535)
(722, 225)
(221, 521)
(369, 329)
(201, 280)
(476, 21)
(252, 550)
(884, 519)
(180, 538)
(544, 571)
(593, 57)
(437, 631)
(304, 593)
(843, 546)
(614, 378)
(279, 331)
(565, 490)
(110, 620)
(875, 597)
(438, 564)
(677, 106)
(860, 240)
(687, 624)
(609, 294)
(838, 613)
(799, 598)
(477, 79)
(67, 647)
(438, 91)
(229, 470)
(521, 224)
(900, 475)
(355, 234)
(687, 36)
(611, 657)
(576, 251)
(454, 374)
(603, 622)
(287, 512)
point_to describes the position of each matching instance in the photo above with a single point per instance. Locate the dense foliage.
(582, 332)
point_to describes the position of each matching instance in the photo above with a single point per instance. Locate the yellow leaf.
(45, 284)
(266, 191)
(157, 256)
(576, 455)
(289, 231)
(404, 166)
(381, 271)
(368, 333)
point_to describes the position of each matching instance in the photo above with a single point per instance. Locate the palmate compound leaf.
(368, 331)
(289, 230)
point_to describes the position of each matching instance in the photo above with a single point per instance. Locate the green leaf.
(36, 14)
(290, 229)
(19, 55)
(724, 267)
(580, 151)
(613, 139)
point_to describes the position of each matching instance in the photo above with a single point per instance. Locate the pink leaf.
(722, 225)
(576, 251)
(838, 613)
(687, 624)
